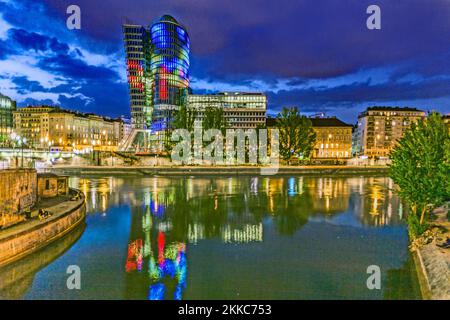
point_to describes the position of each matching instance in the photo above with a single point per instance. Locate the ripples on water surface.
(227, 238)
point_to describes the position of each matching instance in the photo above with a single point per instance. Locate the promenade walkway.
(57, 206)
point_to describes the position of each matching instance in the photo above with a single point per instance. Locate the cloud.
(285, 38)
(23, 65)
(317, 55)
(37, 42)
(4, 27)
(50, 65)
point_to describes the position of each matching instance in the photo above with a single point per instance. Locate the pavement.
(58, 206)
(435, 261)
(184, 167)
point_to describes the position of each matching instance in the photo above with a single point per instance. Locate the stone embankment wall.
(220, 170)
(434, 272)
(433, 262)
(16, 278)
(17, 190)
(30, 236)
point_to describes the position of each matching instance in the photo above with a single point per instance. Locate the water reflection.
(168, 215)
(371, 199)
(16, 278)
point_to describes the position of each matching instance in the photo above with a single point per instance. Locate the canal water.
(226, 238)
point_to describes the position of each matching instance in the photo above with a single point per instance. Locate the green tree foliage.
(297, 136)
(214, 119)
(185, 118)
(421, 169)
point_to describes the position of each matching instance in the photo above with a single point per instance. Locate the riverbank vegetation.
(297, 136)
(421, 170)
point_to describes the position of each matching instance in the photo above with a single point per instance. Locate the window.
(47, 184)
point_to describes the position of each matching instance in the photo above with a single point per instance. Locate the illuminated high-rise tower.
(168, 69)
(158, 71)
(134, 36)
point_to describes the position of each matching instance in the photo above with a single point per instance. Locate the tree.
(185, 118)
(420, 168)
(297, 136)
(214, 119)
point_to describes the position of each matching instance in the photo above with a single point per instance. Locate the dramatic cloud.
(43, 62)
(317, 55)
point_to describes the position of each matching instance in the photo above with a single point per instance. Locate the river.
(227, 238)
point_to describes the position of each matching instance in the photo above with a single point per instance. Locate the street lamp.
(328, 142)
(21, 141)
(14, 140)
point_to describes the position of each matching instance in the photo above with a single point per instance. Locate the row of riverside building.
(158, 59)
(157, 63)
(52, 128)
(375, 134)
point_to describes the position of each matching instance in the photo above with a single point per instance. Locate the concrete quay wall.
(220, 170)
(28, 237)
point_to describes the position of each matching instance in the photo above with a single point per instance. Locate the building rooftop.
(385, 108)
(389, 109)
(229, 93)
(167, 18)
(329, 122)
(6, 97)
(36, 107)
(316, 122)
(233, 93)
(57, 109)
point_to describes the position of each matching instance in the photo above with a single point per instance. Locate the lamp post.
(328, 142)
(22, 142)
(14, 138)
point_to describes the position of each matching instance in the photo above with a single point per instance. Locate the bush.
(415, 229)
(421, 167)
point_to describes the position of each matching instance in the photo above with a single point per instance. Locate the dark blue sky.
(317, 55)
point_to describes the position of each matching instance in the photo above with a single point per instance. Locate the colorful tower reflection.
(158, 260)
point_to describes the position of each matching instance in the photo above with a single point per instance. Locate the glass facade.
(7, 106)
(134, 37)
(242, 110)
(158, 71)
(168, 69)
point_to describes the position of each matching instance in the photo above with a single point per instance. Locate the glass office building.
(134, 36)
(158, 71)
(7, 106)
(241, 110)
